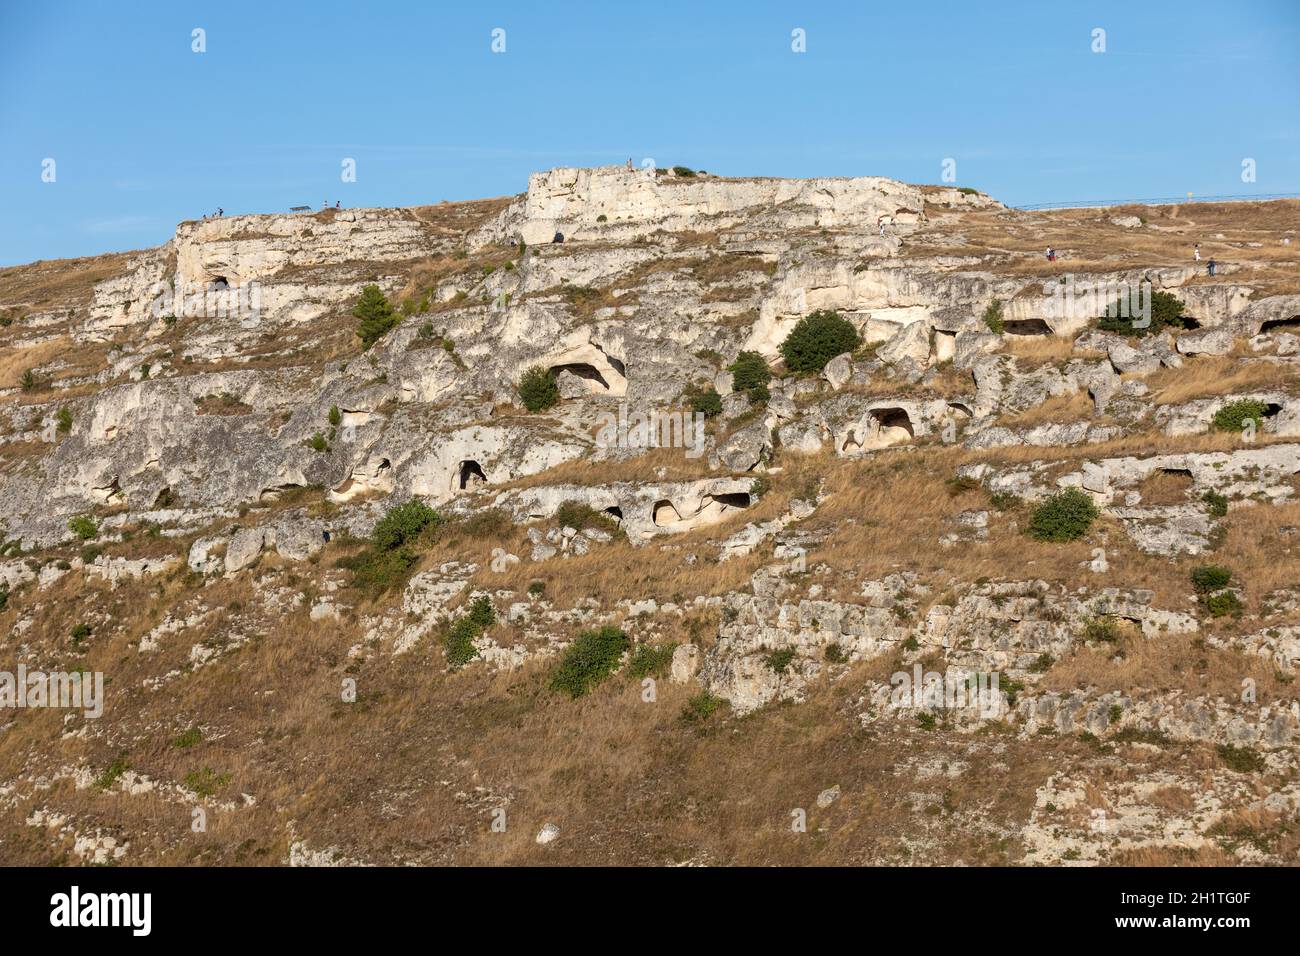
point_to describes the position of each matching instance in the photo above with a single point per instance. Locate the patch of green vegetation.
(701, 707)
(816, 339)
(1223, 603)
(64, 419)
(1209, 578)
(591, 658)
(926, 720)
(1215, 503)
(780, 660)
(1102, 629)
(1233, 416)
(1042, 664)
(335, 416)
(205, 782)
(1065, 516)
(79, 634)
(705, 401)
(112, 772)
(994, 318)
(376, 316)
(651, 660)
(1166, 312)
(191, 737)
(750, 374)
(466, 629)
(318, 443)
(388, 562)
(536, 588)
(1241, 759)
(580, 515)
(1004, 501)
(403, 524)
(834, 654)
(84, 527)
(538, 389)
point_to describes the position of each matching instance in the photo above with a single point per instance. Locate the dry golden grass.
(1206, 376)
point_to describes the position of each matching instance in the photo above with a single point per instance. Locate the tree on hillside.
(376, 315)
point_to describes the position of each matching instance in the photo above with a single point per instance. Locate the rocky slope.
(195, 452)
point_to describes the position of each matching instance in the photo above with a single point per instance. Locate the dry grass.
(1206, 376)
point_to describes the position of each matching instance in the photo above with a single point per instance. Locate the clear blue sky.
(145, 132)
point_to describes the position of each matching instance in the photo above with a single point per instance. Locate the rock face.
(208, 483)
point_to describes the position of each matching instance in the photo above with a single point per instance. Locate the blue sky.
(144, 132)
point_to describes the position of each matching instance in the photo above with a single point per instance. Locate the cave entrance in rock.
(889, 426)
(945, 345)
(469, 474)
(665, 513)
(615, 512)
(585, 371)
(1026, 327)
(220, 284)
(1274, 324)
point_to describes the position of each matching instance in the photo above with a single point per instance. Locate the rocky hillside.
(921, 558)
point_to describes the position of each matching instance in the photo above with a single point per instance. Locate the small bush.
(403, 524)
(780, 660)
(817, 339)
(28, 381)
(993, 317)
(336, 417)
(460, 643)
(84, 527)
(750, 374)
(1004, 501)
(377, 572)
(579, 515)
(1240, 759)
(1209, 578)
(80, 633)
(376, 315)
(536, 588)
(834, 654)
(708, 403)
(651, 660)
(538, 389)
(701, 707)
(1215, 503)
(1223, 603)
(64, 418)
(206, 781)
(1233, 416)
(112, 772)
(90, 553)
(190, 738)
(1166, 311)
(1104, 630)
(926, 720)
(1065, 516)
(683, 171)
(590, 659)
(318, 443)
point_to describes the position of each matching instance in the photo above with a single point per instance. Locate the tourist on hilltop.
(1210, 268)
(1196, 252)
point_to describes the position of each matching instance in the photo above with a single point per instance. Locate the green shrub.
(1233, 416)
(1065, 516)
(84, 527)
(403, 524)
(90, 553)
(780, 660)
(376, 315)
(651, 660)
(64, 418)
(4, 595)
(28, 381)
(750, 374)
(206, 781)
(1215, 503)
(926, 720)
(1209, 578)
(536, 588)
(190, 738)
(579, 515)
(481, 614)
(993, 317)
(1240, 759)
(112, 772)
(1223, 603)
(1004, 501)
(683, 171)
(590, 659)
(1166, 311)
(336, 417)
(834, 654)
(538, 389)
(1104, 630)
(707, 402)
(80, 633)
(377, 572)
(817, 339)
(318, 443)
(701, 707)
(460, 643)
